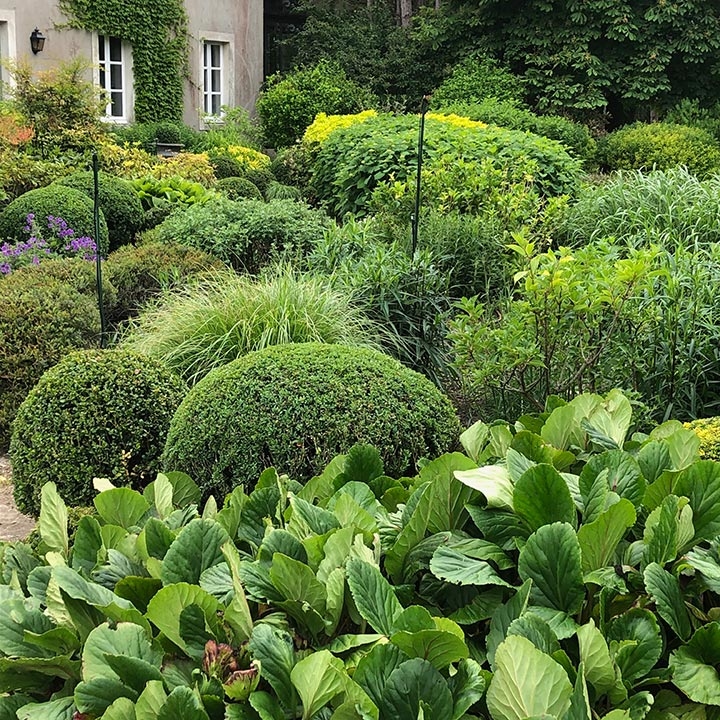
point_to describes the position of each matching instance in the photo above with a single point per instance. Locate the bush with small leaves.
(97, 413)
(238, 188)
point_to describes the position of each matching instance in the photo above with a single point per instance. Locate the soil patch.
(13, 524)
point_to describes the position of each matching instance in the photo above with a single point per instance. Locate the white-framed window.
(114, 76)
(8, 50)
(216, 74)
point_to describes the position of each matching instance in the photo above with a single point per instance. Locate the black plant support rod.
(98, 257)
(418, 180)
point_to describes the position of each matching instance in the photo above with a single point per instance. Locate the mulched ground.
(13, 524)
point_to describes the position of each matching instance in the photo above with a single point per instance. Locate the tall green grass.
(225, 315)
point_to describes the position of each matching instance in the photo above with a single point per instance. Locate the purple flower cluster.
(22, 253)
(85, 245)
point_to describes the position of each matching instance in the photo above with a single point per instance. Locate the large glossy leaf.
(294, 580)
(53, 520)
(694, 665)
(182, 704)
(537, 631)
(580, 700)
(493, 481)
(374, 596)
(416, 684)
(700, 483)
(599, 539)
(623, 475)
(499, 527)
(562, 429)
(653, 459)
(664, 588)
(60, 709)
(707, 564)
(95, 696)
(456, 567)
(440, 646)
(551, 558)
(17, 615)
(274, 649)
(595, 657)
(318, 679)
(541, 496)
(504, 616)
(467, 687)
(527, 683)
(197, 548)
(88, 550)
(448, 495)
(375, 668)
(683, 444)
(237, 613)
(412, 533)
(667, 529)
(121, 506)
(636, 643)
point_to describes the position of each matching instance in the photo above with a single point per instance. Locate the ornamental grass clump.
(296, 406)
(224, 316)
(98, 413)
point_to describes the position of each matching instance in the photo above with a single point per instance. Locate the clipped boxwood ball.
(72, 205)
(97, 413)
(238, 188)
(295, 407)
(118, 201)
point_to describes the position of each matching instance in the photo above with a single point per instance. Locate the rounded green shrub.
(289, 103)
(141, 272)
(661, 146)
(238, 188)
(278, 191)
(246, 234)
(291, 166)
(97, 413)
(226, 166)
(295, 407)
(73, 206)
(224, 315)
(118, 201)
(261, 177)
(477, 78)
(42, 319)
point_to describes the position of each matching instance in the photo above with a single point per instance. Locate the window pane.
(116, 107)
(116, 77)
(215, 105)
(115, 49)
(102, 78)
(215, 84)
(215, 55)
(101, 47)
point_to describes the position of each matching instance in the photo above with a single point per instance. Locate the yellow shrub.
(128, 161)
(248, 157)
(319, 131)
(191, 166)
(708, 430)
(458, 120)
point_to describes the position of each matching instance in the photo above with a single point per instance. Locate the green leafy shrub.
(261, 177)
(296, 406)
(476, 78)
(672, 207)
(354, 160)
(226, 166)
(289, 103)
(291, 166)
(505, 113)
(43, 319)
(20, 172)
(224, 316)
(73, 206)
(238, 188)
(120, 205)
(141, 273)
(95, 414)
(169, 192)
(660, 146)
(690, 112)
(278, 191)
(246, 234)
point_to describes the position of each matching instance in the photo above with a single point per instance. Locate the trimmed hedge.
(297, 406)
(118, 201)
(95, 414)
(73, 206)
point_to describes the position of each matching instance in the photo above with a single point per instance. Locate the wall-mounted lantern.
(37, 41)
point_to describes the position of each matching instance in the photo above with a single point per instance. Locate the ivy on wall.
(157, 32)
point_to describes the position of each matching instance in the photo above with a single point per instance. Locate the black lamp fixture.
(37, 41)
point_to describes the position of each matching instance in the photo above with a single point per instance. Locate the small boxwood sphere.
(72, 205)
(238, 188)
(95, 414)
(118, 201)
(295, 407)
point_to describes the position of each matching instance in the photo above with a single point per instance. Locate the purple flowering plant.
(57, 241)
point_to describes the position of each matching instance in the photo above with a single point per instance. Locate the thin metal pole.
(418, 180)
(98, 258)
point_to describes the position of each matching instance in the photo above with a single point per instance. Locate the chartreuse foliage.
(563, 568)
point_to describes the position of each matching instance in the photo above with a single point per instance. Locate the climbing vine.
(157, 31)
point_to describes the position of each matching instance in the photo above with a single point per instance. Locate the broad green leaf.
(662, 530)
(467, 687)
(455, 567)
(665, 590)
(274, 649)
(134, 672)
(561, 429)
(493, 481)
(474, 439)
(182, 704)
(88, 550)
(551, 558)
(580, 700)
(653, 459)
(537, 631)
(121, 506)
(121, 709)
(500, 527)
(53, 520)
(350, 513)
(503, 617)
(360, 492)
(297, 582)
(527, 683)
(309, 519)
(318, 679)
(480, 550)
(448, 496)
(623, 474)
(163, 496)
(411, 534)
(595, 658)
(683, 445)
(517, 464)
(599, 539)
(614, 418)
(362, 464)
(700, 483)
(336, 551)
(166, 607)
(706, 564)
(15, 671)
(375, 668)
(10, 704)
(59, 640)
(237, 613)
(694, 665)
(440, 646)
(18, 615)
(60, 709)
(542, 497)
(138, 590)
(659, 490)
(335, 589)
(197, 548)
(594, 492)
(151, 700)
(412, 686)
(639, 705)
(373, 595)
(266, 706)
(95, 696)
(636, 643)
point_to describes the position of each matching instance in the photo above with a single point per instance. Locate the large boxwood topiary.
(95, 414)
(118, 201)
(297, 406)
(72, 205)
